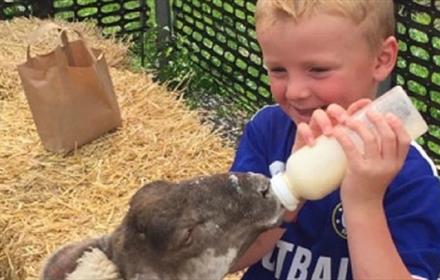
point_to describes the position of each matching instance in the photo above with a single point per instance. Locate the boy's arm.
(373, 254)
(264, 243)
(262, 246)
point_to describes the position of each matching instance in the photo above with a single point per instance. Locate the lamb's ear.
(64, 260)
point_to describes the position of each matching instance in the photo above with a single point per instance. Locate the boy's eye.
(277, 70)
(319, 69)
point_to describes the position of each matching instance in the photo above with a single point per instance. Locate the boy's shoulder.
(269, 111)
(418, 175)
(272, 123)
(270, 114)
(418, 163)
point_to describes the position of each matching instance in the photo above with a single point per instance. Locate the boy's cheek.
(333, 91)
(278, 90)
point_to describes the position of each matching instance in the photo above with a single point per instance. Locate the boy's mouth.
(309, 112)
(305, 112)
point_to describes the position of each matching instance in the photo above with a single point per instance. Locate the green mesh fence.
(418, 67)
(222, 41)
(219, 38)
(10, 9)
(117, 16)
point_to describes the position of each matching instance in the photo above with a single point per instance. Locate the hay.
(8, 83)
(49, 199)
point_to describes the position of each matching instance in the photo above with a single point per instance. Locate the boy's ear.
(386, 58)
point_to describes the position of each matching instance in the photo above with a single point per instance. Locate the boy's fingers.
(347, 144)
(356, 106)
(386, 137)
(320, 123)
(337, 113)
(304, 136)
(371, 148)
(404, 139)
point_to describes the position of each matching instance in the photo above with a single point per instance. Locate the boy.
(325, 60)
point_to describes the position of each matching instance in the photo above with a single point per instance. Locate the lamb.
(194, 229)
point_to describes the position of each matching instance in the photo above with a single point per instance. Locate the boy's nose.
(297, 90)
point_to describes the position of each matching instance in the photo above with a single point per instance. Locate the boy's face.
(317, 61)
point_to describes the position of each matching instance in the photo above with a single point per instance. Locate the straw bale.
(49, 199)
(8, 83)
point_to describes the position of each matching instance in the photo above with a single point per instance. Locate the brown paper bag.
(70, 94)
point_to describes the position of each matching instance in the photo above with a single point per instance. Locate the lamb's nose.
(264, 188)
(264, 191)
(262, 184)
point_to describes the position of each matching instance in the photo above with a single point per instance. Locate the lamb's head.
(196, 226)
(193, 229)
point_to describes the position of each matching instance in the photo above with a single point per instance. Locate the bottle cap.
(281, 190)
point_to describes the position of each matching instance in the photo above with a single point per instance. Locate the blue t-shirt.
(315, 246)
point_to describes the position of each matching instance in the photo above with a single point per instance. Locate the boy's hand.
(370, 172)
(322, 122)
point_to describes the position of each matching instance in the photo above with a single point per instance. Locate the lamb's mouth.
(277, 217)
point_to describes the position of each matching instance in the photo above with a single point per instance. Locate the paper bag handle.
(32, 37)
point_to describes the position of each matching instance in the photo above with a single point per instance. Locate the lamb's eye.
(187, 237)
(183, 237)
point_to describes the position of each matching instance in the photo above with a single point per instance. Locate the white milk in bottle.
(312, 172)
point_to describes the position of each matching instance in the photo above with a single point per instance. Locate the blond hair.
(375, 17)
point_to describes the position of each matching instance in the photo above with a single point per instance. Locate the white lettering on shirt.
(322, 268)
(343, 268)
(283, 248)
(266, 263)
(300, 264)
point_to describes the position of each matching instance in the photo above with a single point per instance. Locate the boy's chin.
(297, 119)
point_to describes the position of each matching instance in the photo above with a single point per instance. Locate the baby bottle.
(312, 172)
